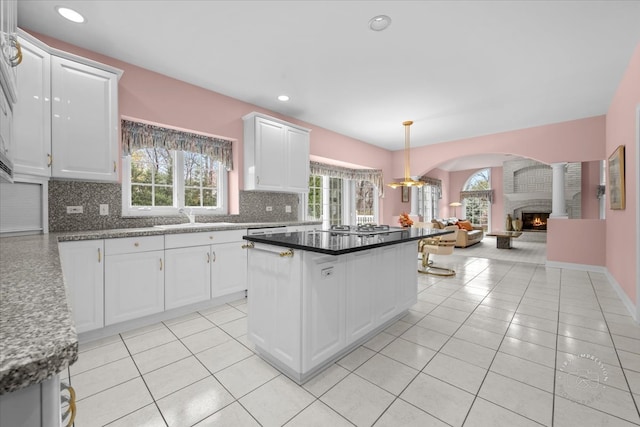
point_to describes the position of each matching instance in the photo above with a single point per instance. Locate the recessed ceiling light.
(283, 98)
(379, 23)
(70, 14)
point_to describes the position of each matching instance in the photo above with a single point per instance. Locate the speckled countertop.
(37, 334)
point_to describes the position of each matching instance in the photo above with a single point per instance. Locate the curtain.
(480, 194)
(373, 176)
(136, 135)
(433, 182)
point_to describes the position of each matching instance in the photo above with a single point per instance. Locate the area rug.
(521, 251)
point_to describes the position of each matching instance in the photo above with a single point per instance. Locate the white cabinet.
(83, 271)
(6, 130)
(275, 304)
(361, 278)
(228, 268)
(85, 121)
(32, 113)
(8, 48)
(37, 405)
(323, 308)
(204, 265)
(406, 279)
(387, 283)
(276, 155)
(133, 278)
(187, 276)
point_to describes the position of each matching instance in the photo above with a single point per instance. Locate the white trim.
(623, 296)
(572, 266)
(626, 301)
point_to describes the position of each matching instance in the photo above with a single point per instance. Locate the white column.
(558, 204)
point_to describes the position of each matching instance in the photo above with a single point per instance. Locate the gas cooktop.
(363, 230)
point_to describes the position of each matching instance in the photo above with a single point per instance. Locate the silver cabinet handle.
(214, 256)
(99, 255)
(160, 264)
(208, 257)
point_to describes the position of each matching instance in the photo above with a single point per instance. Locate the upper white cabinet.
(9, 48)
(276, 155)
(32, 113)
(66, 118)
(85, 121)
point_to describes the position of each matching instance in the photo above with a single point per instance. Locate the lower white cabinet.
(274, 303)
(187, 276)
(361, 277)
(133, 278)
(323, 308)
(83, 270)
(37, 405)
(306, 309)
(228, 268)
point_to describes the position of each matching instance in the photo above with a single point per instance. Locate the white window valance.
(136, 135)
(433, 182)
(373, 176)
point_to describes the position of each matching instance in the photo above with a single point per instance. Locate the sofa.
(467, 235)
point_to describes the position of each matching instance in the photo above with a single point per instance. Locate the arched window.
(478, 209)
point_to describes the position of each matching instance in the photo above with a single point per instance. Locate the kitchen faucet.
(190, 215)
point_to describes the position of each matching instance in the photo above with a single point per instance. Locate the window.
(476, 209)
(157, 181)
(341, 201)
(428, 197)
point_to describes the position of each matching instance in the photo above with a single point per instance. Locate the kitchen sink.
(194, 225)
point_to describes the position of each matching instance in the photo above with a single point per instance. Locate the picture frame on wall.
(406, 191)
(615, 167)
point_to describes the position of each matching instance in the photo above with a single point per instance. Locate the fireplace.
(536, 221)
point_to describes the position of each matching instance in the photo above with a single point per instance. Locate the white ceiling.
(457, 68)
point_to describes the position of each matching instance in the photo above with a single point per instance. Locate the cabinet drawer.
(184, 240)
(129, 245)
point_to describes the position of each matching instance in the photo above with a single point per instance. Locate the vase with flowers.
(404, 220)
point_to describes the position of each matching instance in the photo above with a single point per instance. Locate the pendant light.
(407, 181)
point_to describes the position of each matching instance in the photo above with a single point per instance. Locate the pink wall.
(590, 182)
(154, 97)
(576, 241)
(621, 224)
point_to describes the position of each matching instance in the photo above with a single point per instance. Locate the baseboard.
(572, 266)
(630, 306)
(626, 301)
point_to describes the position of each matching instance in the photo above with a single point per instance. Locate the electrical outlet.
(74, 209)
(287, 209)
(104, 209)
(269, 208)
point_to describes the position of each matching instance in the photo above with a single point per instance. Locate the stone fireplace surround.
(527, 188)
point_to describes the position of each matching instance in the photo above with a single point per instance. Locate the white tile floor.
(501, 344)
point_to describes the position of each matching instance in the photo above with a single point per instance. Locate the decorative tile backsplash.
(90, 195)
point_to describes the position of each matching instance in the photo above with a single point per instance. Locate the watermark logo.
(582, 379)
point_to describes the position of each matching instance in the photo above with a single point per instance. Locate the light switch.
(104, 209)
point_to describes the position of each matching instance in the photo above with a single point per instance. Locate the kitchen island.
(314, 296)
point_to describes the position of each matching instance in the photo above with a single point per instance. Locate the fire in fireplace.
(534, 220)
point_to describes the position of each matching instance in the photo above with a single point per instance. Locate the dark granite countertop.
(37, 333)
(329, 243)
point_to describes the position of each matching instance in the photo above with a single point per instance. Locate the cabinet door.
(32, 113)
(228, 268)
(187, 276)
(133, 286)
(270, 154)
(85, 123)
(388, 280)
(298, 161)
(360, 286)
(323, 307)
(83, 272)
(275, 321)
(6, 127)
(8, 34)
(408, 275)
